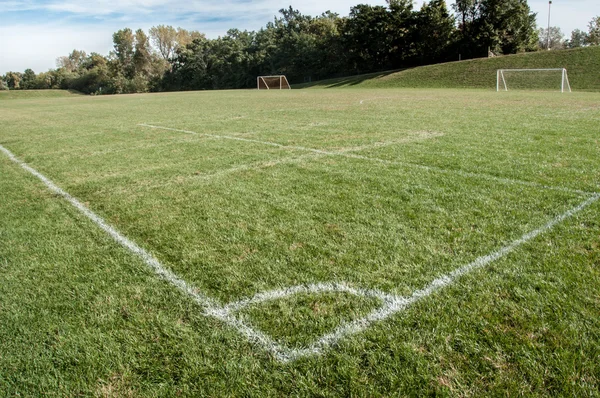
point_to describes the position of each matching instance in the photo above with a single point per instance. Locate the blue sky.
(33, 33)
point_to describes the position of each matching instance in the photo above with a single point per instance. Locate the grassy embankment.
(36, 94)
(582, 64)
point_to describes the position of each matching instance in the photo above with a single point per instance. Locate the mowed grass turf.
(378, 189)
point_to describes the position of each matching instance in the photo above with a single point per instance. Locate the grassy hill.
(582, 64)
(36, 94)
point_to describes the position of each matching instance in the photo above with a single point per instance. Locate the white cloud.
(38, 46)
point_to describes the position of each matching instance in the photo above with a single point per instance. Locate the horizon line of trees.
(554, 39)
(302, 47)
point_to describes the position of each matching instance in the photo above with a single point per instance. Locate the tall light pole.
(548, 32)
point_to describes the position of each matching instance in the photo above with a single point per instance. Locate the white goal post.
(278, 82)
(548, 75)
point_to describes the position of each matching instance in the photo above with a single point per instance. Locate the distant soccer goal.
(278, 82)
(553, 79)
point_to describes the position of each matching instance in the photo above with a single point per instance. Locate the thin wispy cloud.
(34, 33)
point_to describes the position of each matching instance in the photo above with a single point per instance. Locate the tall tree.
(503, 26)
(165, 39)
(71, 62)
(185, 37)
(433, 34)
(578, 39)
(466, 11)
(401, 27)
(593, 36)
(368, 39)
(124, 50)
(13, 80)
(142, 58)
(28, 80)
(190, 67)
(555, 36)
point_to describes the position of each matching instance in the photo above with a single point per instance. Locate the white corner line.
(345, 154)
(208, 306)
(148, 258)
(391, 304)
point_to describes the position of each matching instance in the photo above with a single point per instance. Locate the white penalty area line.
(398, 304)
(390, 304)
(345, 154)
(276, 162)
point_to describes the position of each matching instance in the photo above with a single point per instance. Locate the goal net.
(554, 79)
(278, 82)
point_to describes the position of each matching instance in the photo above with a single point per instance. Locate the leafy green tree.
(28, 80)
(296, 53)
(556, 38)
(402, 25)
(299, 46)
(124, 44)
(185, 37)
(593, 36)
(71, 62)
(13, 80)
(516, 27)
(466, 12)
(164, 39)
(329, 55)
(368, 38)
(578, 39)
(434, 33)
(189, 67)
(142, 57)
(503, 26)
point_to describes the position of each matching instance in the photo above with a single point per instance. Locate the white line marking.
(269, 163)
(468, 174)
(392, 304)
(315, 288)
(150, 260)
(208, 306)
(229, 137)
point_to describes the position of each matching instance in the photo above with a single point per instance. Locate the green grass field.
(362, 203)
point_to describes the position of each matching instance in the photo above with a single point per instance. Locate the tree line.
(553, 38)
(302, 47)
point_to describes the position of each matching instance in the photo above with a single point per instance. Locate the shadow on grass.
(347, 81)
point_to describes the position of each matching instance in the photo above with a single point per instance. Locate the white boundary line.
(383, 161)
(391, 304)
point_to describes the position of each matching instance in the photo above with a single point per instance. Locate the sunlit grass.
(81, 315)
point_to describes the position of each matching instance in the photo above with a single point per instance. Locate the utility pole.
(548, 32)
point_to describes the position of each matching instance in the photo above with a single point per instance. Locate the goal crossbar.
(564, 84)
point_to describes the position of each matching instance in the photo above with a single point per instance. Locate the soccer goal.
(278, 82)
(552, 79)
